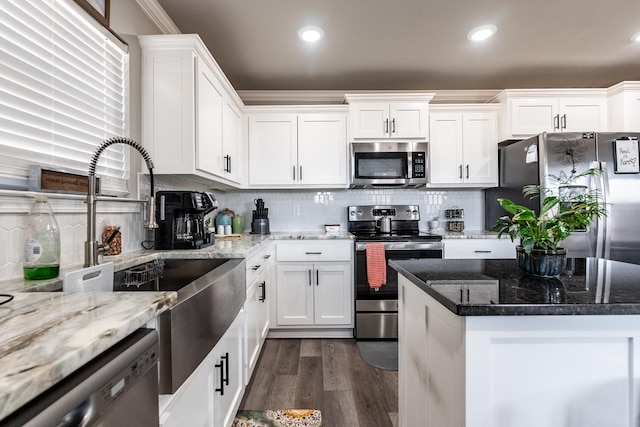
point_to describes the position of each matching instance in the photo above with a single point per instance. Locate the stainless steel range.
(397, 226)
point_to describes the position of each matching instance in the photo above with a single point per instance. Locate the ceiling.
(416, 44)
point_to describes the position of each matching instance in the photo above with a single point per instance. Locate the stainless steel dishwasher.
(117, 388)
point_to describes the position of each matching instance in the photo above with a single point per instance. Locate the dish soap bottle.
(41, 243)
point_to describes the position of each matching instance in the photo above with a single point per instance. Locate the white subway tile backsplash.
(316, 208)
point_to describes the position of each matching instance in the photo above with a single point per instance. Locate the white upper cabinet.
(288, 150)
(528, 112)
(463, 146)
(624, 107)
(191, 116)
(396, 116)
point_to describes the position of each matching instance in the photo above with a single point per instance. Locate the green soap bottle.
(41, 242)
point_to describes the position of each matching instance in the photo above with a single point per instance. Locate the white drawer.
(259, 262)
(314, 250)
(479, 248)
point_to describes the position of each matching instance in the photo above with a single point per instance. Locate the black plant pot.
(541, 262)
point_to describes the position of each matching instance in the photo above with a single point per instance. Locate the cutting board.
(98, 278)
(229, 237)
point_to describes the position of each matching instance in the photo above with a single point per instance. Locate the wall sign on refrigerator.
(625, 153)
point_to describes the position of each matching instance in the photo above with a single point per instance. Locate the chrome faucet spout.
(91, 246)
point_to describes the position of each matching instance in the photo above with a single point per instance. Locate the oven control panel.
(372, 213)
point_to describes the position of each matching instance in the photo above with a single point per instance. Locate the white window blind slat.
(63, 85)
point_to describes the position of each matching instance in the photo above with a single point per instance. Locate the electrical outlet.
(296, 210)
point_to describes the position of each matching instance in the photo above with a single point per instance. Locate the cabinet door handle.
(300, 175)
(468, 295)
(294, 172)
(386, 126)
(556, 122)
(563, 121)
(467, 171)
(460, 171)
(221, 388)
(226, 368)
(309, 277)
(263, 297)
(317, 278)
(227, 164)
(393, 125)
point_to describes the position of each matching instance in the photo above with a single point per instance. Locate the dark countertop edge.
(519, 309)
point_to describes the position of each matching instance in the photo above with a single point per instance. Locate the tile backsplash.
(310, 210)
(288, 211)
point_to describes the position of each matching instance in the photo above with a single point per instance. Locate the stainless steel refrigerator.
(537, 159)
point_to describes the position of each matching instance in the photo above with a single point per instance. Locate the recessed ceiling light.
(635, 37)
(482, 33)
(311, 33)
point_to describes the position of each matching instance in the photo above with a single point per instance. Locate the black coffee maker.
(180, 216)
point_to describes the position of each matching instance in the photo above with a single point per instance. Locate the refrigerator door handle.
(604, 238)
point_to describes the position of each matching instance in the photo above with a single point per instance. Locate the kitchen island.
(483, 344)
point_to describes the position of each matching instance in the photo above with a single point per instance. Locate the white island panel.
(552, 371)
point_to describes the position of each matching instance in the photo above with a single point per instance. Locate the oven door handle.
(404, 246)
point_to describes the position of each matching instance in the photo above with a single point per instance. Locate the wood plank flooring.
(324, 374)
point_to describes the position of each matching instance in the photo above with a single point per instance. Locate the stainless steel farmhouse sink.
(211, 293)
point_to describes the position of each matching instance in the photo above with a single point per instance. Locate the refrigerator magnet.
(625, 154)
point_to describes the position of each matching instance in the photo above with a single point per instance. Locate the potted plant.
(568, 208)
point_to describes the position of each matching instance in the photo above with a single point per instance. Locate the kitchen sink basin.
(175, 275)
(211, 293)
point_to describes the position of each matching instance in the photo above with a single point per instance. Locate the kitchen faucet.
(91, 247)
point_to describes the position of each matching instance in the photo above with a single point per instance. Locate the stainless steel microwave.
(388, 164)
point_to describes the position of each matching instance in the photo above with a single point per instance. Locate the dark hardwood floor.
(324, 374)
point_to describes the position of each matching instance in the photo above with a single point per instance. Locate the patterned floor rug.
(280, 418)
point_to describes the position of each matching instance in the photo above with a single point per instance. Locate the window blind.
(62, 93)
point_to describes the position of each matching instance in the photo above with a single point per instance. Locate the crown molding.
(157, 14)
(314, 97)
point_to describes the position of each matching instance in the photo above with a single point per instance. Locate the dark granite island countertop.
(589, 286)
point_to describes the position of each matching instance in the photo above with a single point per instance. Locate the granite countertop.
(47, 336)
(589, 286)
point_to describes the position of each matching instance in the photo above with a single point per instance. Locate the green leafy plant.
(563, 211)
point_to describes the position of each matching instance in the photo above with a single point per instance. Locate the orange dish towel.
(376, 265)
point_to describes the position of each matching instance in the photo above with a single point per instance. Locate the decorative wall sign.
(99, 9)
(625, 154)
(48, 180)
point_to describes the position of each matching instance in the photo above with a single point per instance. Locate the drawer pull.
(256, 267)
(267, 256)
(482, 252)
(313, 253)
(263, 297)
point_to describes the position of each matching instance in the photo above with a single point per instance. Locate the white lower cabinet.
(260, 289)
(211, 395)
(479, 248)
(228, 379)
(314, 283)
